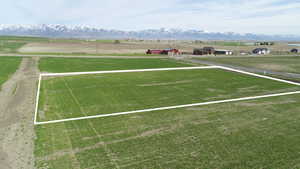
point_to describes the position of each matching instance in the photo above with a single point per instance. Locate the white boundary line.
(41, 75)
(257, 75)
(160, 108)
(37, 99)
(168, 108)
(127, 71)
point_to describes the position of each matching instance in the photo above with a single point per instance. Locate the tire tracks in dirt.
(17, 99)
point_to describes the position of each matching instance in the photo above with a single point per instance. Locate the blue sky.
(241, 16)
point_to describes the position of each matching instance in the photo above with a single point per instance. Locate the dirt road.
(17, 99)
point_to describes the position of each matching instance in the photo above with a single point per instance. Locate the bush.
(117, 42)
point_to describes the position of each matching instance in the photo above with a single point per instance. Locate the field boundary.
(159, 108)
(126, 71)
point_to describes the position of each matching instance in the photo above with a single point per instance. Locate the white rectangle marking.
(160, 108)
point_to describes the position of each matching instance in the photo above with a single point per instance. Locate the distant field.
(262, 133)
(44, 39)
(11, 44)
(90, 47)
(227, 43)
(57, 65)
(10, 47)
(8, 65)
(280, 64)
(23, 38)
(70, 46)
(107, 54)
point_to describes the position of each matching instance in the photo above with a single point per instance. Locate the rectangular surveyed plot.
(87, 95)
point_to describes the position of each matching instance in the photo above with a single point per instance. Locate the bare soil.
(17, 99)
(130, 47)
(93, 48)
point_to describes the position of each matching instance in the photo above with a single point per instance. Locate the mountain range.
(88, 32)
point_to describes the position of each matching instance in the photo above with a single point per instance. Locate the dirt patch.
(16, 117)
(151, 132)
(276, 67)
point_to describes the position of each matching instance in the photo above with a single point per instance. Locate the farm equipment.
(162, 52)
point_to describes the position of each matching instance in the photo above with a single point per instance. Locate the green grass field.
(11, 44)
(77, 96)
(261, 133)
(81, 65)
(8, 65)
(280, 64)
(23, 38)
(10, 47)
(253, 134)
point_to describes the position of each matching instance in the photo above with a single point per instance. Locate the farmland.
(253, 134)
(10, 47)
(137, 47)
(57, 65)
(8, 65)
(77, 96)
(93, 47)
(11, 44)
(249, 134)
(280, 64)
(261, 133)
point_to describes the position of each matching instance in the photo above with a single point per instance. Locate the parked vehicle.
(295, 51)
(261, 51)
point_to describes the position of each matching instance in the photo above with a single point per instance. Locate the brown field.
(130, 47)
(93, 47)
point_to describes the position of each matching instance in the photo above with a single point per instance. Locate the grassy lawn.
(280, 64)
(249, 135)
(8, 65)
(77, 96)
(81, 65)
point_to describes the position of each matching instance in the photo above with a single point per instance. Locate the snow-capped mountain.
(83, 31)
